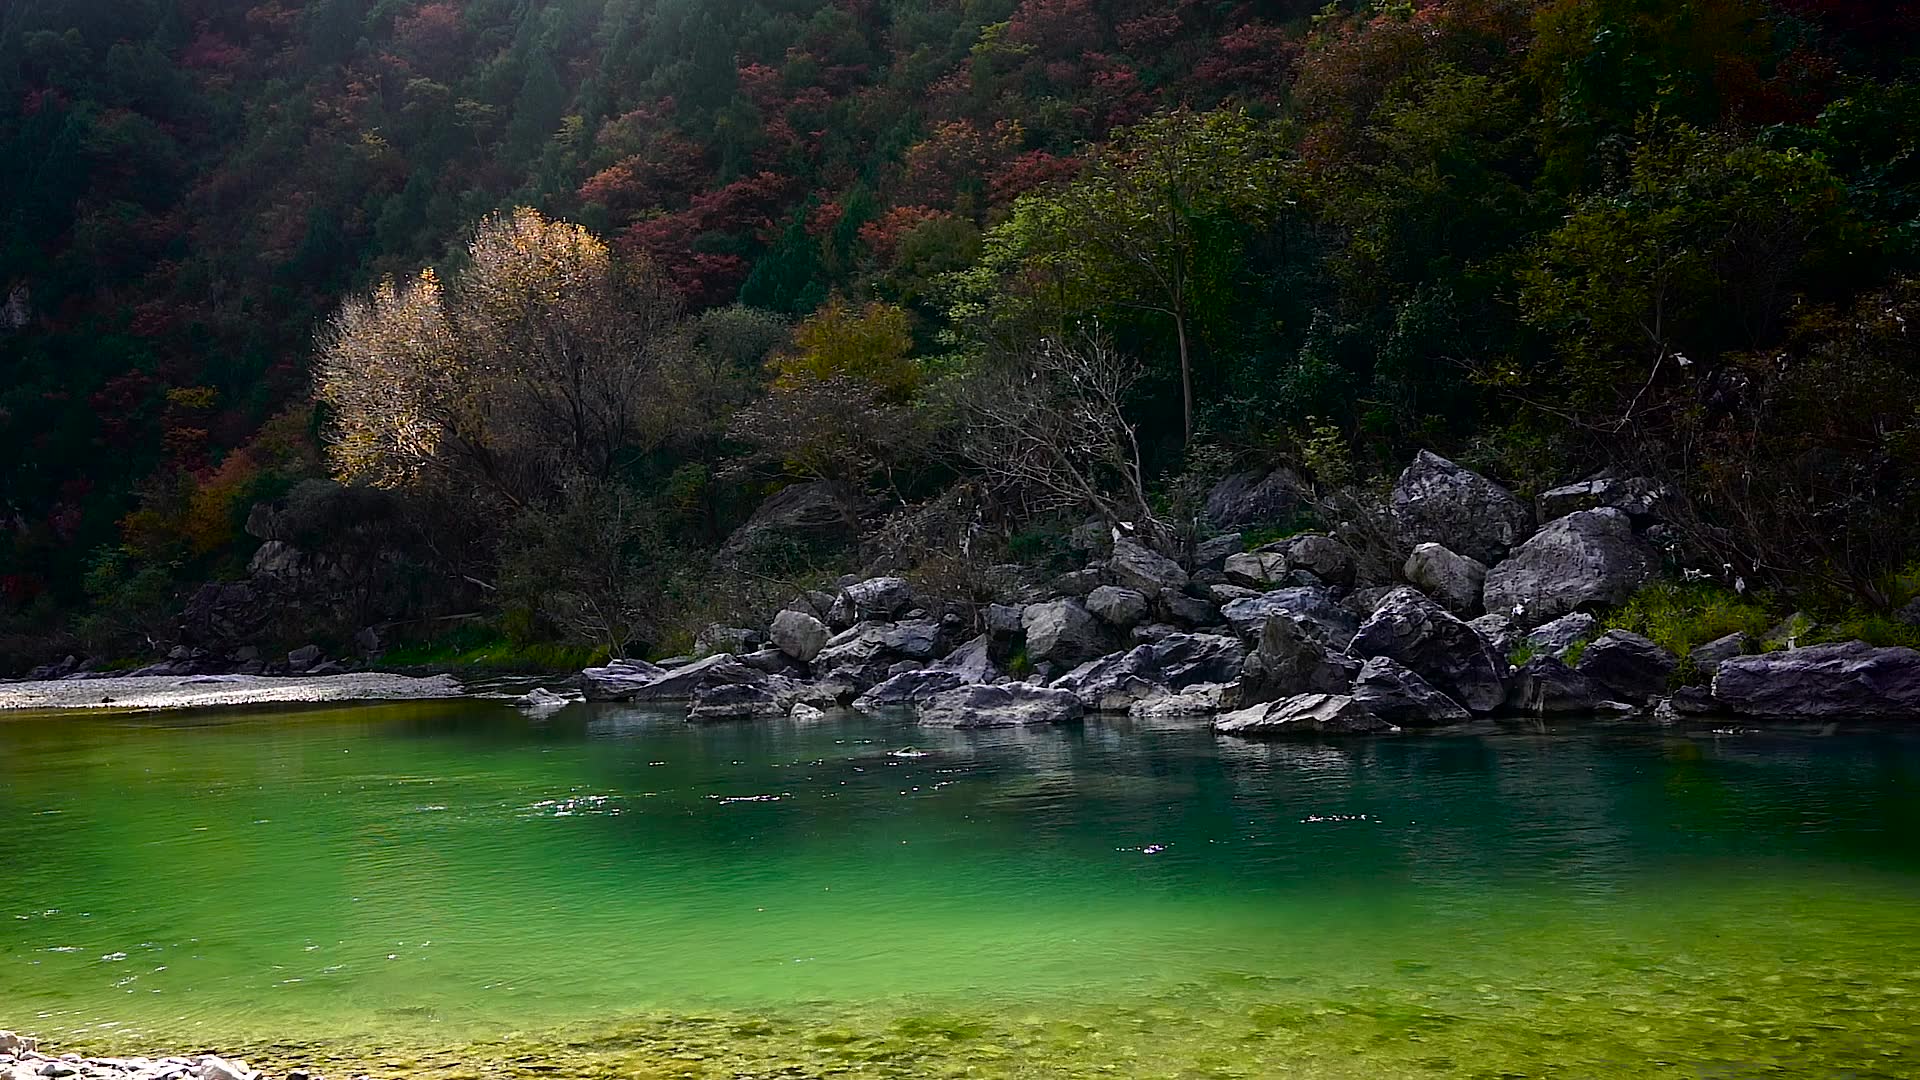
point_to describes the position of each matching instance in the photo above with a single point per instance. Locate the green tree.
(1138, 227)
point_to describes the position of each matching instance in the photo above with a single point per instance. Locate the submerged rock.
(1306, 714)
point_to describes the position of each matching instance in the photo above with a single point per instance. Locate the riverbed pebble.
(21, 1059)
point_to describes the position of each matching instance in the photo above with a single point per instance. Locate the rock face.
(1395, 693)
(1002, 705)
(806, 516)
(799, 635)
(1454, 580)
(1318, 611)
(1586, 559)
(1852, 680)
(1288, 661)
(1146, 572)
(1062, 631)
(1440, 502)
(1307, 714)
(1255, 497)
(1119, 608)
(1445, 651)
(1629, 666)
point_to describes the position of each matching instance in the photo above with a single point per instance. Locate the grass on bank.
(482, 647)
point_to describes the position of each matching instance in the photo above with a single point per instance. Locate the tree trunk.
(1186, 376)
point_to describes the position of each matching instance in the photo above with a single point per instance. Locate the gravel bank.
(201, 691)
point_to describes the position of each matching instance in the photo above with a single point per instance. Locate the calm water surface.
(448, 889)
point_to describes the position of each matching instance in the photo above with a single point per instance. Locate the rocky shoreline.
(1466, 609)
(22, 1059)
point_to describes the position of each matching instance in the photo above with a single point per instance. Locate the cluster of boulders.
(1488, 613)
(190, 660)
(21, 1059)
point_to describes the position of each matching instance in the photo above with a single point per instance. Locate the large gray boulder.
(1118, 607)
(1256, 569)
(1114, 682)
(1557, 636)
(1212, 554)
(1013, 704)
(1289, 661)
(1584, 560)
(1306, 714)
(619, 678)
(1318, 610)
(808, 516)
(1434, 642)
(1454, 580)
(799, 635)
(1707, 656)
(1636, 496)
(1440, 502)
(881, 598)
(721, 638)
(639, 681)
(863, 655)
(1062, 631)
(1497, 631)
(1397, 694)
(1183, 660)
(1143, 570)
(1256, 497)
(1630, 667)
(1848, 681)
(1545, 686)
(907, 688)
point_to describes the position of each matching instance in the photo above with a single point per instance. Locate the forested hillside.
(891, 247)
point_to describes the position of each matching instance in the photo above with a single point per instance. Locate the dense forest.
(518, 309)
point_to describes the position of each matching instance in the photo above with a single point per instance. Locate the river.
(449, 889)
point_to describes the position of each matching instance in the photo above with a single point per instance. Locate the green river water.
(451, 890)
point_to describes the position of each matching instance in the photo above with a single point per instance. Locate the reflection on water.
(862, 894)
